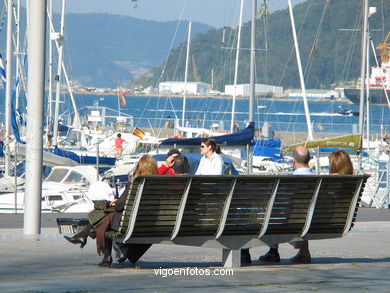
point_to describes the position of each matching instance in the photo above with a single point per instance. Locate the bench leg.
(231, 258)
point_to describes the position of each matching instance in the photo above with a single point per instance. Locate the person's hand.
(170, 161)
(113, 202)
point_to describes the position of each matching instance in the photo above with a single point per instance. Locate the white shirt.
(212, 166)
(100, 191)
(303, 171)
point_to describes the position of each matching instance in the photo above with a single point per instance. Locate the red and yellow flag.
(138, 132)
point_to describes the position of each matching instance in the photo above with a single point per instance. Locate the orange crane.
(384, 49)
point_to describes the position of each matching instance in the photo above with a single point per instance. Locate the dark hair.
(182, 165)
(118, 135)
(301, 157)
(211, 142)
(173, 152)
(340, 163)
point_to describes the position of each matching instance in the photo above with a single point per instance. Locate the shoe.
(245, 257)
(77, 240)
(270, 256)
(119, 253)
(303, 256)
(106, 262)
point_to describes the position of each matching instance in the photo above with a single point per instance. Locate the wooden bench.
(234, 212)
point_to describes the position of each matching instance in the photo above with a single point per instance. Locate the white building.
(243, 90)
(178, 87)
(317, 94)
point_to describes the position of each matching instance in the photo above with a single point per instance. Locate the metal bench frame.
(284, 208)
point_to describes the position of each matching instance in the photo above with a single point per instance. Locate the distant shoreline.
(215, 97)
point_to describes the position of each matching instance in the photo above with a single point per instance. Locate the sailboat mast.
(186, 74)
(50, 94)
(367, 80)
(236, 68)
(59, 73)
(77, 120)
(8, 91)
(362, 76)
(305, 104)
(253, 60)
(17, 53)
(252, 81)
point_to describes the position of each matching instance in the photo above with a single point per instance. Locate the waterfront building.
(243, 90)
(178, 87)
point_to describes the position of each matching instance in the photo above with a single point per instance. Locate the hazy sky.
(213, 12)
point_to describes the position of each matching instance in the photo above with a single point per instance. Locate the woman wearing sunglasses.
(211, 162)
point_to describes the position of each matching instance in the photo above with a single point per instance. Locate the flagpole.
(119, 100)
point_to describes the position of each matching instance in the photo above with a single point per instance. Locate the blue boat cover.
(268, 147)
(242, 137)
(84, 160)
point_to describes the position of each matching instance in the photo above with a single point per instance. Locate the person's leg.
(104, 245)
(303, 255)
(245, 256)
(81, 237)
(272, 255)
(107, 259)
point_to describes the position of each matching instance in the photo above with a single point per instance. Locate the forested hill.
(329, 54)
(102, 50)
(106, 49)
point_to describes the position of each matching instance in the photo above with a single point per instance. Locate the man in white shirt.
(301, 158)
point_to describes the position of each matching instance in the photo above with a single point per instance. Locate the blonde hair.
(340, 163)
(146, 166)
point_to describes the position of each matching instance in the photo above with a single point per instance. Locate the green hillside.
(334, 57)
(106, 49)
(102, 50)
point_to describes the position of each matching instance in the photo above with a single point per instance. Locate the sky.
(217, 13)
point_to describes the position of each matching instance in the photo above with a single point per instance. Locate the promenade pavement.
(358, 262)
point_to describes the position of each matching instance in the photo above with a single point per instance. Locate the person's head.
(146, 166)
(340, 163)
(208, 146)
(173, 152)
(189, 117)
(182, 166)
(119, 135)
(301, 157)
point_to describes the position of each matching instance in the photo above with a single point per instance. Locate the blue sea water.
(282, 115)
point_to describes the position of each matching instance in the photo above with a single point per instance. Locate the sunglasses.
(202, 146)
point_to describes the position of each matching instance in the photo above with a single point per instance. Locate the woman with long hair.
(211, 162)
(109, 217)
(340, 163)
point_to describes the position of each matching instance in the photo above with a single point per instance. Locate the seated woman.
(339, 164)
(108, 217)
(134, 251)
